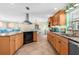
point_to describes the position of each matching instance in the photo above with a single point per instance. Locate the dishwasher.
(73, 48)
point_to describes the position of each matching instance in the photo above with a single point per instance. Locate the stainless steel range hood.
(27, 19)
(27, 16)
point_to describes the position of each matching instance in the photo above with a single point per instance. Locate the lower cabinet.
(35, 36)
(59, 43)
(18, 41)
(64, 48)
(4, 45)
(57, 46)
(10, 44)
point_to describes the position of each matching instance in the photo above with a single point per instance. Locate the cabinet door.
(53, 40)
(54, 21)
(58, 19)
(58, 45)
(34, 36)
(4, 45)
(62, 18)
(21, 39)
(18, 40)
(64, 48)
(50, 21)
(12, 44)
(49, 37)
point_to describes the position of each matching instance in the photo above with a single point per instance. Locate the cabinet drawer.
(58, 45)
(65, 40)
(64, 49)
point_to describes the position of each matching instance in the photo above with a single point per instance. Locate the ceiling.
(18, 11)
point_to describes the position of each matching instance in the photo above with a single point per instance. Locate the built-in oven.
(73, 48)
(28, 37)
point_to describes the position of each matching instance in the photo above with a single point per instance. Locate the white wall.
(38, 18)
(11, 18)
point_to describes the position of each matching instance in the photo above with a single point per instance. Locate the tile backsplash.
(12, 26)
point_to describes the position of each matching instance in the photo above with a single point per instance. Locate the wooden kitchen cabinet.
(51, 39)
(12, 44)
(58, 18)
(62, 17)
(9, 44)
(4, 45)
(18, 41)
(50, 19)
(21, 39)
(35, 35)
(64, 48)
(55, 20)
(59, 43)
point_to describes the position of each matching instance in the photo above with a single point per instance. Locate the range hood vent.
(27, 19)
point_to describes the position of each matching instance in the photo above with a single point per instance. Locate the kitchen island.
(61, 43)
(12, 41)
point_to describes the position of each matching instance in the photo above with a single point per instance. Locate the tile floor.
(42, 47)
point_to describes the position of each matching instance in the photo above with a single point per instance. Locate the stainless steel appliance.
(73, 48)
(28, 37)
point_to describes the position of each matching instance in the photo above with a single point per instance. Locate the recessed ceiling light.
(55, 8)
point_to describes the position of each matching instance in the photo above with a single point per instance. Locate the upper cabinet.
(55, 20)
(50, 21)
(62, 18)
(58, 19)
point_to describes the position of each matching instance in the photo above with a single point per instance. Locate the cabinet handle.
(59, 41)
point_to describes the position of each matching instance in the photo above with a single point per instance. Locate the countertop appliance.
(28, 37)
(73, 48)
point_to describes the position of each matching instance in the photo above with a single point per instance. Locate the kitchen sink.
(69, 35)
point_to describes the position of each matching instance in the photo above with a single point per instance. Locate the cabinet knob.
(59, 41)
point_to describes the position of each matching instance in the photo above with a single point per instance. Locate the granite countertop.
(13, 33)
(10, 33)
(30, 31)
(75, 39)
